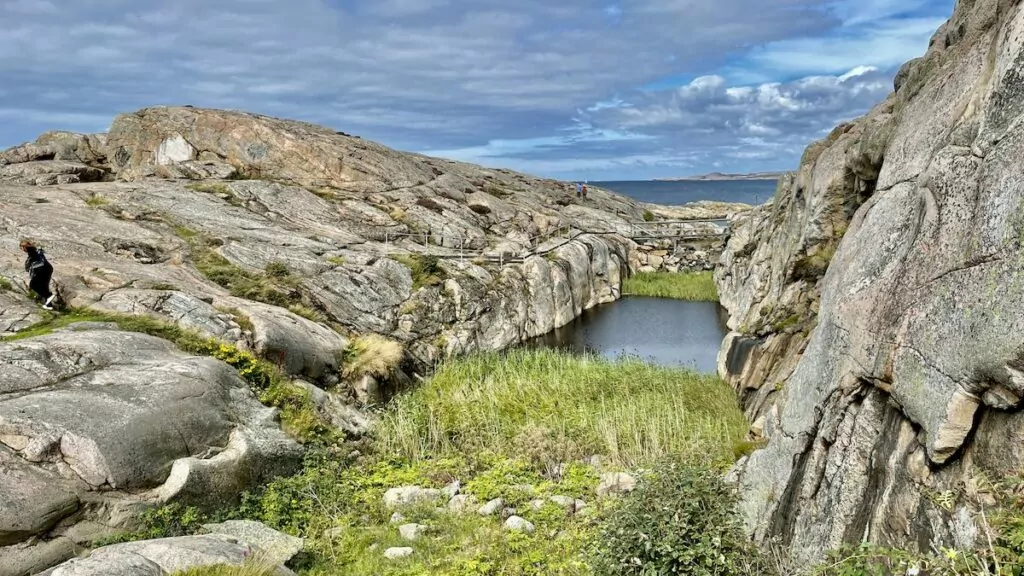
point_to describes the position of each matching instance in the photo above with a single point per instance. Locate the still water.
(659, 330)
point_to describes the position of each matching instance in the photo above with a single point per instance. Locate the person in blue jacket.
(40, 271)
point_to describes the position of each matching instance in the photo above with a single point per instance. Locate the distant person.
(39, 272)
(584, 191)
(579, 189)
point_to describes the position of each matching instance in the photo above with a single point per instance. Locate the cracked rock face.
(99, 415)
(896, 374)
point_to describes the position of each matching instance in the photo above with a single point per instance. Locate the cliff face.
(877, 306)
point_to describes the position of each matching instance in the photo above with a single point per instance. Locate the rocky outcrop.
(96, 423)
(281, 238)
(877, 308)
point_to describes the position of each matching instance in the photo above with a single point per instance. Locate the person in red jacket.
(40, 271)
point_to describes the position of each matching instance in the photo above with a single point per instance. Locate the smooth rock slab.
(160, 557)
(276, 547)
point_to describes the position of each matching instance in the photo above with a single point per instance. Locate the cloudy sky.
(598, 89)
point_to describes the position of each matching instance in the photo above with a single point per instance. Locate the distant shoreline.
(719, 177)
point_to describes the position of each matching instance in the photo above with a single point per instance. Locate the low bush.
(5, 285)
(693, 286)
(680, 520)
(648, 216)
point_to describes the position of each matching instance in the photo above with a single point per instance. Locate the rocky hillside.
(282, 241)
(877, 306)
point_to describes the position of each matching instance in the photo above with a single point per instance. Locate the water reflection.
(666, 332)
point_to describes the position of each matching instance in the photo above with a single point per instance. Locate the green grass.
(5, 285)
(426, 270)
(96, 201)
(554, 406)
(694, 286)
(277, 286)
(298, 414)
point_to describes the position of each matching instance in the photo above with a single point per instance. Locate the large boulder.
(102, 416)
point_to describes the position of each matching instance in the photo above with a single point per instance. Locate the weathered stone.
(462, 503)
(614, 483)
(492, 507)
(397, 553)
(275, 547)
(409, 495)
(411, 531)
(518, 524)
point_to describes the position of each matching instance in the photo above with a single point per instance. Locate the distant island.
(721, 176)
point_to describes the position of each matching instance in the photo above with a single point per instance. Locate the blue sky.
(596, 89)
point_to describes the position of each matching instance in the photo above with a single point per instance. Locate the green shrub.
(278, 270)
(96, 201)
(693, 286)
(163, 522)
(812, 267)
(426, 270)
(648, 216)
(5, 285)
(680, 520)
(277, 290)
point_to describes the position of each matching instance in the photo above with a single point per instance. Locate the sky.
(572, 89)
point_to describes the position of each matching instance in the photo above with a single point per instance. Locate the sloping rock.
(276, 547)
(100, 415)
(877, 307)
(163, 557)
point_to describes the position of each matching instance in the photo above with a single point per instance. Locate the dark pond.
(663, 331)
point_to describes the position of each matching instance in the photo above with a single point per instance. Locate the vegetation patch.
(516, 403)
(648, 216)
(96, 201)
(370, 355)
(694, 286)
(276, 287)
(271, 386)
(811, 268)
(680, 520)
(5, 285)
(426, 270)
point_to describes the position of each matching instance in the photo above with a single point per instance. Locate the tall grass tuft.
(629, 411)
(694, 286)
(370, 355)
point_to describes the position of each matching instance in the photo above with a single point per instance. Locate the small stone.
(537, 504)
(579, 505)
(492, 507)
(407, 495)
(411, 531)
(508, 513)
(613, 483)
(527, 489)
(396, 553)
(397, 518)
(451, 490)
(461, 503)
(519, 524)
(564, 501)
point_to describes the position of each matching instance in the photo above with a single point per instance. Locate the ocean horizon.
(678, 192)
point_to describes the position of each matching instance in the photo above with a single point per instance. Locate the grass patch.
(812, 268)
(370, 355)
(694, 286)
(648, 216)
(277, 286)
(240, 318)
(271, 386)
(517, 403)
(96, 201)
(249, 568)
(336, 261)
(5, 285)
(306, 312)
(217, 189)
(426, 270)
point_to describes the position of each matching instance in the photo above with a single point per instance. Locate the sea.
(686, 191)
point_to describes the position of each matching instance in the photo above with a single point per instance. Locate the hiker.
(39, 272)
(579, 189)
(584, 191)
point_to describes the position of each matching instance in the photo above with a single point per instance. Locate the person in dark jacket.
(39, 272)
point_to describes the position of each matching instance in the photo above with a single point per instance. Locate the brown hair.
(26, 244)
